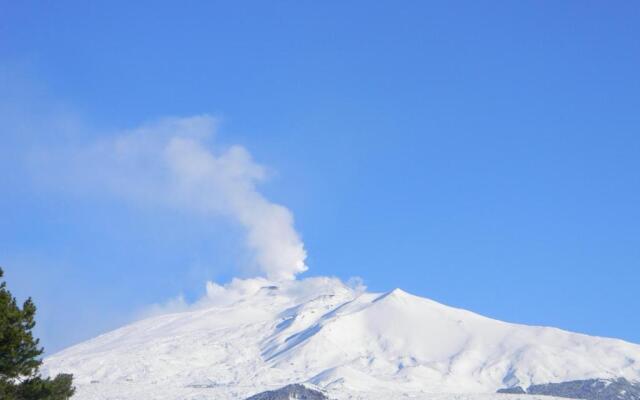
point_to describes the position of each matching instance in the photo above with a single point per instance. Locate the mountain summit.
(254, 335)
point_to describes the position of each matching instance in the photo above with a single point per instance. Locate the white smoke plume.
(174, 162)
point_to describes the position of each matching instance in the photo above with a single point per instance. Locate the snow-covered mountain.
(253, 335)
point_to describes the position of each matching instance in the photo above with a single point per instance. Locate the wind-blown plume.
(171, 162)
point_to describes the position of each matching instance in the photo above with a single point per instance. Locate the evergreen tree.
(20, 355)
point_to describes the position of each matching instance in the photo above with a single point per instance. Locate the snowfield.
(255, 335)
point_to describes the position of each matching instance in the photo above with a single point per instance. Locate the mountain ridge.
(255, 335)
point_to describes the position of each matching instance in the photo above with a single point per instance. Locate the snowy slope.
(254, 335)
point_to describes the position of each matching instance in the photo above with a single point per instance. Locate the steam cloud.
(171, 162)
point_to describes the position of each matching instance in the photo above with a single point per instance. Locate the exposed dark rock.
(289, 392)
(513, 390)
(590, 389)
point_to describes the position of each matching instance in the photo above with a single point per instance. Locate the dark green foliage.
(20, 355)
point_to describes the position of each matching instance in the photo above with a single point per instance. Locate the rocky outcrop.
(589, 389)
(513, 390)
(290, 392)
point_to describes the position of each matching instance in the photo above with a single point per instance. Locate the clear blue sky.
(483, 154)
